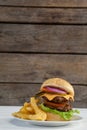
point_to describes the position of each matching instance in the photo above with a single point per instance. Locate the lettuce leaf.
(66, 115)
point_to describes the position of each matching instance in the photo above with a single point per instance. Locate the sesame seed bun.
(60, 83)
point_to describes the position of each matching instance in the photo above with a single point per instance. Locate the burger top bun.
(60, 83)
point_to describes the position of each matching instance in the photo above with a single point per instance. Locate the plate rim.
(50, 123)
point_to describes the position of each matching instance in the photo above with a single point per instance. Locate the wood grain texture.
(40, 40)
(46, 3)
(80, 96)
(43, 38)
(34, 68)
(43, 15)
(17, 94)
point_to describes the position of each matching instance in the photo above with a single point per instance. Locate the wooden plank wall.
(40, 40)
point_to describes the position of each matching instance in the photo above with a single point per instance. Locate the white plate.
(52, 123)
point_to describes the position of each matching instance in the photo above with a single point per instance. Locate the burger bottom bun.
(54, 117)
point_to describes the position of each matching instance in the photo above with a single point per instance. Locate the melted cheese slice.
(51, 96)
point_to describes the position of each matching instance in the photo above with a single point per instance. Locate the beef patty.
(59, 103)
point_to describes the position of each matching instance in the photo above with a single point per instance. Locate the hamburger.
(55, 97)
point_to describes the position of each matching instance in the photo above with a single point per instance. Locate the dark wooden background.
(41, 39)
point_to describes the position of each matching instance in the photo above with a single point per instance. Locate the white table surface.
(7, 122)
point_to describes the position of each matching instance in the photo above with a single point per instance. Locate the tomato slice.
(55, 105)
(46, 90)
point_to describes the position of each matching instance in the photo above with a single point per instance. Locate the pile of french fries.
(31, 111)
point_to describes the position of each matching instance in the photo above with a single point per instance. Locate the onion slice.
(56, 90)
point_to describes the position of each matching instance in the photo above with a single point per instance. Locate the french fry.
(27, 108)
(23, 110)
(39, 114)
(21, 115)
(31, 111)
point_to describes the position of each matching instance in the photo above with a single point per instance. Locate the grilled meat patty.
(59, 103)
